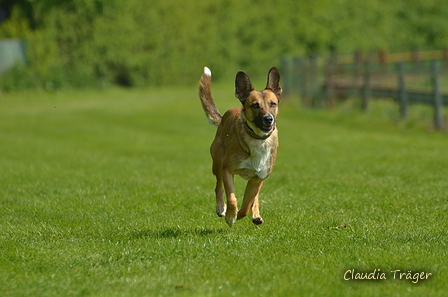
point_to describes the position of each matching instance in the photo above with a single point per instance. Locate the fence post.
(288, 74)
(313, 79)
(416, 56)
(382, 57)
(303, 76)
(331, 65)
(366, 94)
(438, 103)
(357, 74)
(402, 89)
(445, 55)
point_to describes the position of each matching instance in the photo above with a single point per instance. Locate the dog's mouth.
(266, 128)
(265, 124)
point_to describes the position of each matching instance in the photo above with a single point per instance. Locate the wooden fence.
(411, 77)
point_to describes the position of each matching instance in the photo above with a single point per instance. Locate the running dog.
(245, 143)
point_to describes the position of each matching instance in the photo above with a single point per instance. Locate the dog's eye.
(273, 104)
(255, 106)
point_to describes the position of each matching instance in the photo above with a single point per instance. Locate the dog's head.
(260, 108)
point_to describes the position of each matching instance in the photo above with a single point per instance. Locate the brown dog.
(245, 144)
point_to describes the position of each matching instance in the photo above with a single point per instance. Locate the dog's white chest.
(259, 161)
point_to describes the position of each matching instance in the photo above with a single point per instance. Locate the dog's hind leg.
(232, 207)
(219, 191)
(251, 200)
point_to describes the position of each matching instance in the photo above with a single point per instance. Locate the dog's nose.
(268, 120)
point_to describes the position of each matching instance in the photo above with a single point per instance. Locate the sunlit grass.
(110, 193)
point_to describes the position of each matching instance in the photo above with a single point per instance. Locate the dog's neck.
(253, 134)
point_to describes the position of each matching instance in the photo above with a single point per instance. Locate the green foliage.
(139, 43)
(17, 78)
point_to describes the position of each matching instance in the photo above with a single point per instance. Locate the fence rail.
(410, 77)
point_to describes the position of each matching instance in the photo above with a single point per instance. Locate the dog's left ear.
(274, 82)
(243, 86)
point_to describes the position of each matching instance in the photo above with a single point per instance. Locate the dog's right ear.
(243, 86)
(273, 83)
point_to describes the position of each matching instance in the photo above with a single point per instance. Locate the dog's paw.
(221, 210)
(231, 214)
(257, 221)
(230, 220)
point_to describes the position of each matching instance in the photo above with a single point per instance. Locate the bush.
(17, 78)
(88, 43)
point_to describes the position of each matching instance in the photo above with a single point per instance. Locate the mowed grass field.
(110, 193)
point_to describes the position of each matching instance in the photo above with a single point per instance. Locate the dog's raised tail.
(205, 94)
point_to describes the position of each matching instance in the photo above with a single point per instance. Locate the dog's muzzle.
(267, 123)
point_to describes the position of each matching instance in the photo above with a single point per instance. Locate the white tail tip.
(207, 71)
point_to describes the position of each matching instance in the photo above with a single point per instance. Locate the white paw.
(230, 220)
(221, 210)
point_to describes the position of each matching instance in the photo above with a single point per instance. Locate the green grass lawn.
(110, 193)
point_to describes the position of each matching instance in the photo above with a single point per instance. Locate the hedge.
(97, 43)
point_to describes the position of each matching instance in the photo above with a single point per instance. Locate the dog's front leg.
(232, 206)
(256, 218)
(251, 200)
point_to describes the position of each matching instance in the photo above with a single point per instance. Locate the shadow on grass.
(175, 232)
